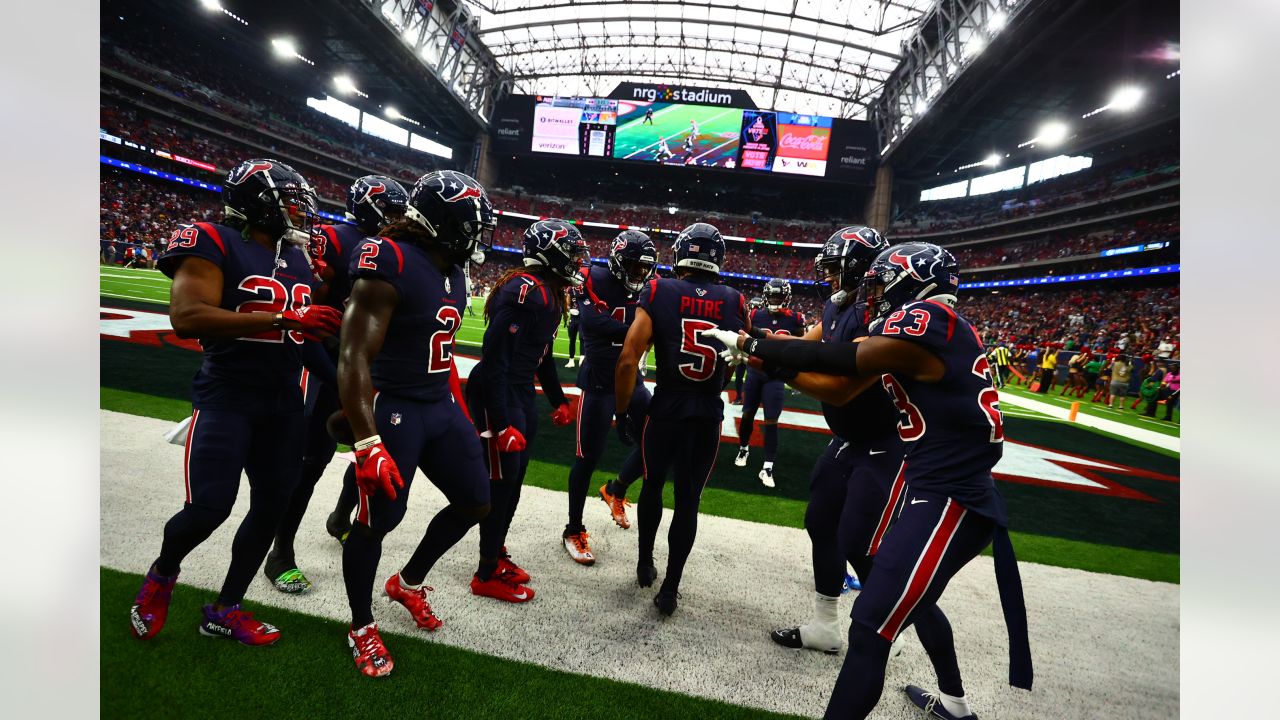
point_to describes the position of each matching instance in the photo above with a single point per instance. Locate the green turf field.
(437, 680)
(717, 138)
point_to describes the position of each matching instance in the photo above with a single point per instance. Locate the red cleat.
(511, 570)
(238, 625)
(151, 606)
(414, 600)
(501, 587)
(370, 654)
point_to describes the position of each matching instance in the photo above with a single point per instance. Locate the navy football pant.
(220, 445)
(505, 470)
(761, 390)
(595, 422)
(738, 373)
(320, 401)
(687, 448)
(931, 539)
(847, 492)
(437, 438)
(573, 339)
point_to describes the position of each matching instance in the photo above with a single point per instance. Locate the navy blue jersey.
(783, 322)
(691, 372)
(253, 280)
(866, 420)
(337, 244)
(418, 351)
(524, 318)
(953, 429)
(605, 311)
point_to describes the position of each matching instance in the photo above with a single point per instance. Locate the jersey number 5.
(705, 355)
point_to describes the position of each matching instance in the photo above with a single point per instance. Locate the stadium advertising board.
(677, 133)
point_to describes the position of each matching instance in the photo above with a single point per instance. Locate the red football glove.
(315, 321)
(563, 415)
(375, 470)
(510, 440)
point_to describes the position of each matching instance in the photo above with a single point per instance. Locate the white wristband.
(367, 443)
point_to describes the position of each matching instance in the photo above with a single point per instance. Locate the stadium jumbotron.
(655, 359)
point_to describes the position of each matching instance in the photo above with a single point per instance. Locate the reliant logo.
(695, 96)
(509, 132)
(852, 160)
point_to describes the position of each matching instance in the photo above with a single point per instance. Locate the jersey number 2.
(442, 340)
(278, 300)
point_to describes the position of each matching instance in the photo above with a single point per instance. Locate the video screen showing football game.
(677, 134)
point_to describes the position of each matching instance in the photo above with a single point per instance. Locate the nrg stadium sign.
(682, 94)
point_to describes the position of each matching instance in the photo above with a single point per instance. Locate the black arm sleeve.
(316, 360)
(819, 357)
(549, 379)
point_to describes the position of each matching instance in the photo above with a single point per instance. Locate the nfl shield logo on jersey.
(446, 285)
(700, 291)
(395, 418)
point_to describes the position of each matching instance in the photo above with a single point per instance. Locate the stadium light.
(1126, 98)
(284, 48)
(392, 113)
(993, 159)
(997, 22)
(346, 85)
(1052, 134)
(211, 5)
(921, 106)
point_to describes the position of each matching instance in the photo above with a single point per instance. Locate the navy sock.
(192, 525)
(579, 484)
(297, 507)
(445, 530)
(934, 631)
(360, 556)
(861, 679)
(770, 442)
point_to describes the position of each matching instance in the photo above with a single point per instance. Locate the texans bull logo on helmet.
(454, 187)
(371, 189)
(856, 236)
(242, 173)
(907, 263)
(619, 244)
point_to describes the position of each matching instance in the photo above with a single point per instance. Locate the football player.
(395, 362)
(524, 311)
(244, 289)
(740, 370)
(573, 327)
(777, 318)
(931, 362)
(681, 433)
(373, 202)
(607, 306)
(850, 481)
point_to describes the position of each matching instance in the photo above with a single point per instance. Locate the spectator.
(1048, 363)
(1121, 371)
(1169, 392)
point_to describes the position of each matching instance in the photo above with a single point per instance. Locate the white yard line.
(1148, 437)
(1104, 646)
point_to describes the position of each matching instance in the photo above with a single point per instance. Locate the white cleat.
(766, 477)
(570, 363)
(900, 642)
(743, 453)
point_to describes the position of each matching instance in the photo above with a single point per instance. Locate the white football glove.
(731, 353)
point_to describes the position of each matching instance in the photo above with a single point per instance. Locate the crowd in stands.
(137, 214)
(222, 89)
(1068, 243)
(1090, 185)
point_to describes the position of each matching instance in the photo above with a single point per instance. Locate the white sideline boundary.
(1148, 437)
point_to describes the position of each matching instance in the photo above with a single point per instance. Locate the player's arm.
(813, 333)
(316, 360)
(638, 341)
(549, 380)
(500, 343)
(871, 358)
(598, 324)
(364, 329)
(832, 389)
(194, 311)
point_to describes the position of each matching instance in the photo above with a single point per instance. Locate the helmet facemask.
(633, 273)
(297, 216)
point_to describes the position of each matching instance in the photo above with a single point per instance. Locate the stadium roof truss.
(810, 56)
(940, 48)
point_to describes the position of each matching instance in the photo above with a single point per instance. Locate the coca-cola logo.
(812, 143)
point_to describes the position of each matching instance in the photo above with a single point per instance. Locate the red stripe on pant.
(495, 463)
(186, 459)
(579, 422)
(926, 567)
(886, 517)
(362, 510)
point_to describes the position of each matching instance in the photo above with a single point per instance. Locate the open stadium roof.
(810, 56)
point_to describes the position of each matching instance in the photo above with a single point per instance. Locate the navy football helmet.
(844, 259)
(374, 201)
(755, 303)
(557, 245)
(699, 247)
(632, 259)
(777, 294)
(270, 196)
(908, 272)
(455, 210)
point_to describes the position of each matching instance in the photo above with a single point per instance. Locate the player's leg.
(451, 458)
(496, 575)
(828, 483)
(771, 397)
(656, 439)
(281, 567)
(275, 445)
(615, 493)
(738, 374)
(216, 448)
(573, 344)
(751, 392)
(696, 450)
(931, 540)
(595, 410)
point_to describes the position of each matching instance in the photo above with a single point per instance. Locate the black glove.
(626, 434)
